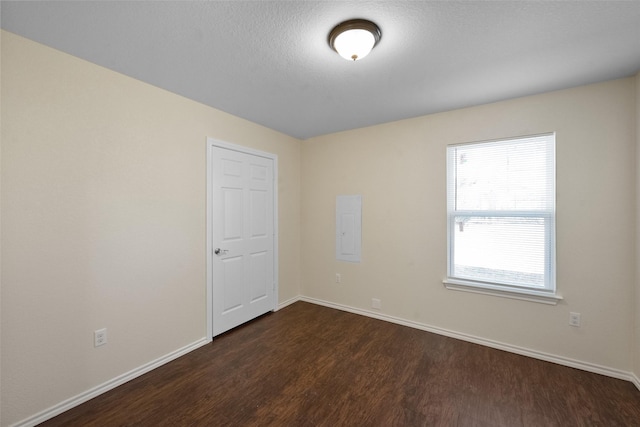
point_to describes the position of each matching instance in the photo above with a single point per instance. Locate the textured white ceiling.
(269, 61)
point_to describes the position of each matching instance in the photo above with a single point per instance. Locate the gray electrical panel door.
(349, 228)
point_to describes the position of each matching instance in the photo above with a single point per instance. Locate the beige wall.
(399, 169)
(103, 222)
(637, 290)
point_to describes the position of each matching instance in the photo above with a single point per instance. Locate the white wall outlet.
(100, 337)
(376, 303)
(338, 278)
(574, 319)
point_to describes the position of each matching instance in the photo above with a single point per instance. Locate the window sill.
(499, 291)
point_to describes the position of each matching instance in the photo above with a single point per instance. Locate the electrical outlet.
(100, 337)
(574, 319)
(376, 303)
(338, 278)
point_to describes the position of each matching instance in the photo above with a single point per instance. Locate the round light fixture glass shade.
(354, 44)
(353, 40)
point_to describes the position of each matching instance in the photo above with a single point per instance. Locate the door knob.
(219, 251)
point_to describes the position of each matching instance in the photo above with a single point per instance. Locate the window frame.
(547, 294)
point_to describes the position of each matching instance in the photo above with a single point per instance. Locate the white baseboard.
(635, 380)
(560, 360)
(288, 302)
(109, 385)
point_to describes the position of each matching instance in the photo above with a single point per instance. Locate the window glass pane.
(505, 175)
(501, 212)
(507, 250)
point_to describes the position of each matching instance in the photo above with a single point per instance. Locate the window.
(501, 216)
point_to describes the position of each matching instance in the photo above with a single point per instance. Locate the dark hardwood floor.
(308, 365)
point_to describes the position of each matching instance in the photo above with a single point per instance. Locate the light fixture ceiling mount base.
(354, 39)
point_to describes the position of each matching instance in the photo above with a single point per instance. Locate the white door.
(242, 237)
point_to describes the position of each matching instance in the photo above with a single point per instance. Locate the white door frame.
(211, 142)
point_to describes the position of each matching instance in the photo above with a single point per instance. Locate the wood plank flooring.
(308, 365)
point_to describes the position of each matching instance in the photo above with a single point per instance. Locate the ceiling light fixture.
(355, 38)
